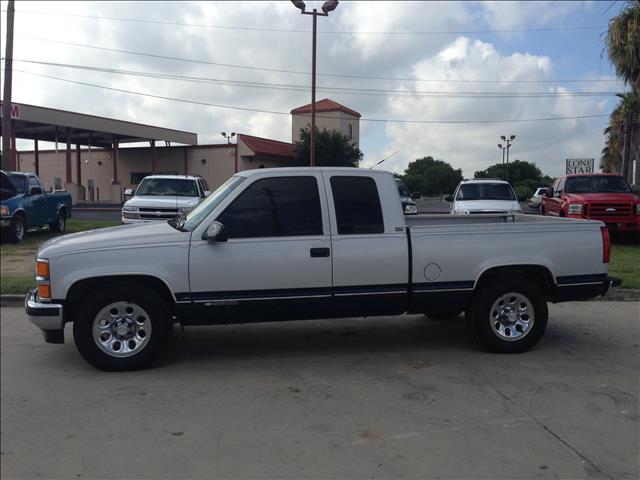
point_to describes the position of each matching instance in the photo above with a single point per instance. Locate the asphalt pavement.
(389, 397)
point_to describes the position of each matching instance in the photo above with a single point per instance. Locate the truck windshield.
(597, 184)
(204, 208)
(485, 191)
(19, 182)
(168, 186)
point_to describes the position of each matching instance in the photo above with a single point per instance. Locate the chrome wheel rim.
(122, 329)
(511, 316)
(61, 222)
(19, 229)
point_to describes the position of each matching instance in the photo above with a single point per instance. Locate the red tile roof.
(325, 105)
(267, 147)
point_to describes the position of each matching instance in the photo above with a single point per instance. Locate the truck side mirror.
(215, 233)
(448, 198)
(128, 192)
(548, 192)
(35, 191)
(207, 193)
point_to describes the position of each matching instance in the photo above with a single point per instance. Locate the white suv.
(162, 197)
(483, 196)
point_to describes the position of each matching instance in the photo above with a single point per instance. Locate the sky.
(418, 72)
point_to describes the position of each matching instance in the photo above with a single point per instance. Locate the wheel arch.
(541, 274)
(81, 287)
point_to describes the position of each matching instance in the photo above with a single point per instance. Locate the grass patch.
(32, 240)
(625, 264)
(16, 284)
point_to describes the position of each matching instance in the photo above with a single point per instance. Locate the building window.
(350, 132)
(57, 183)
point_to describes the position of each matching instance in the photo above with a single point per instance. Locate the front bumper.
(5, 222)
(45, 316)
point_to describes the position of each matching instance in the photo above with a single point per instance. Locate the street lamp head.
(329, 6)
(499, 145)
(513, 137)
(233, 134)
(299, 4)
(503, 138)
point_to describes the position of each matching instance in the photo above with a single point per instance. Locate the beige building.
(215, 162)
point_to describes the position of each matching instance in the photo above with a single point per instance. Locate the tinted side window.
(33, 182)
(357, 205)
(275, 207)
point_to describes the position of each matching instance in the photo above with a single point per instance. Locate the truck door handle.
(320, 252)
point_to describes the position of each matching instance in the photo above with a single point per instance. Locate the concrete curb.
(622, 295)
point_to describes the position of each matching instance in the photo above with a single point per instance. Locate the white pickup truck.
(304, 243)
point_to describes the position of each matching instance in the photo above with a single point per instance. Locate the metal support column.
(68, 158)
(36, 154)
(115, 161)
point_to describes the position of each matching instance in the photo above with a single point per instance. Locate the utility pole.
(508, 140)
(624, 168)
(6, 105)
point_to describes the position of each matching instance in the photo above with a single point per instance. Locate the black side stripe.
(426, 287)
(572, 279)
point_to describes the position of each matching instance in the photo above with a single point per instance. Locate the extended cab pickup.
(303, 243)
(26, 205)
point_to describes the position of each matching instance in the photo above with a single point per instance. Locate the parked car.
(598, 196)
(309, 243)
(25, 205)
(409, 207)
(161, 197)
(536, 199)
(483, 196)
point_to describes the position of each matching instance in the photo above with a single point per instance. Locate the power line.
(297, 72)
(331, 32)
(304, 88)
(195, 102)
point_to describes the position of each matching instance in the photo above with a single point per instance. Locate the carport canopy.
(51, 125)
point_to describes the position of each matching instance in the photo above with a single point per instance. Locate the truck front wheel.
(122, 327)
(59, 223)
(17, 229)
(508, 314)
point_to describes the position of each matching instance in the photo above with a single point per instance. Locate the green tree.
(332, 149)
(431, 177)
(623, 43)
(611, 157)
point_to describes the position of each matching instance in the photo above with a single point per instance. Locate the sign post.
(580, 165)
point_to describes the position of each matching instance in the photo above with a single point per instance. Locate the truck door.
(276, 262)
(368, 244)
(35, 203)
(554, 204)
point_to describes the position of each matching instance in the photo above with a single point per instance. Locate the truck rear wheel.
(508, 314)
(122, 327)
(59, 223)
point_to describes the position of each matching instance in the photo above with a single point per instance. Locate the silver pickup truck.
(304, 243)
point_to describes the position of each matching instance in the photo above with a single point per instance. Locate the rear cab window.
(357, 205)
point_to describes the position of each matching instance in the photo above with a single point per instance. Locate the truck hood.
(489, 205)
(163, 201)
(603, 197)
(114, 237)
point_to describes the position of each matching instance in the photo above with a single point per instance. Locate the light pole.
(228, 137)
(327, 7)
(508, 141)
(503, 149)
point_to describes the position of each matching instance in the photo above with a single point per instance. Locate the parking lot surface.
(393, 397)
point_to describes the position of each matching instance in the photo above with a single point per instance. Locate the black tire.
(17, 229)
(492, 333)
(148, 300)
(59, 223)
(443, 315)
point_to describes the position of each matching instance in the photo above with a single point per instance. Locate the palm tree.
(611, 157)
(623, 43)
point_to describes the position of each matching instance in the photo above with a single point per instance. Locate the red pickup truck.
(599, 196)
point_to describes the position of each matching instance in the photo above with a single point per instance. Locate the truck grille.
(157, 213)
(609, 211)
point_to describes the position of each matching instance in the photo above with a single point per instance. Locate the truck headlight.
(4, 211)
(575, 209)
(130, 212)
(410, 209)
